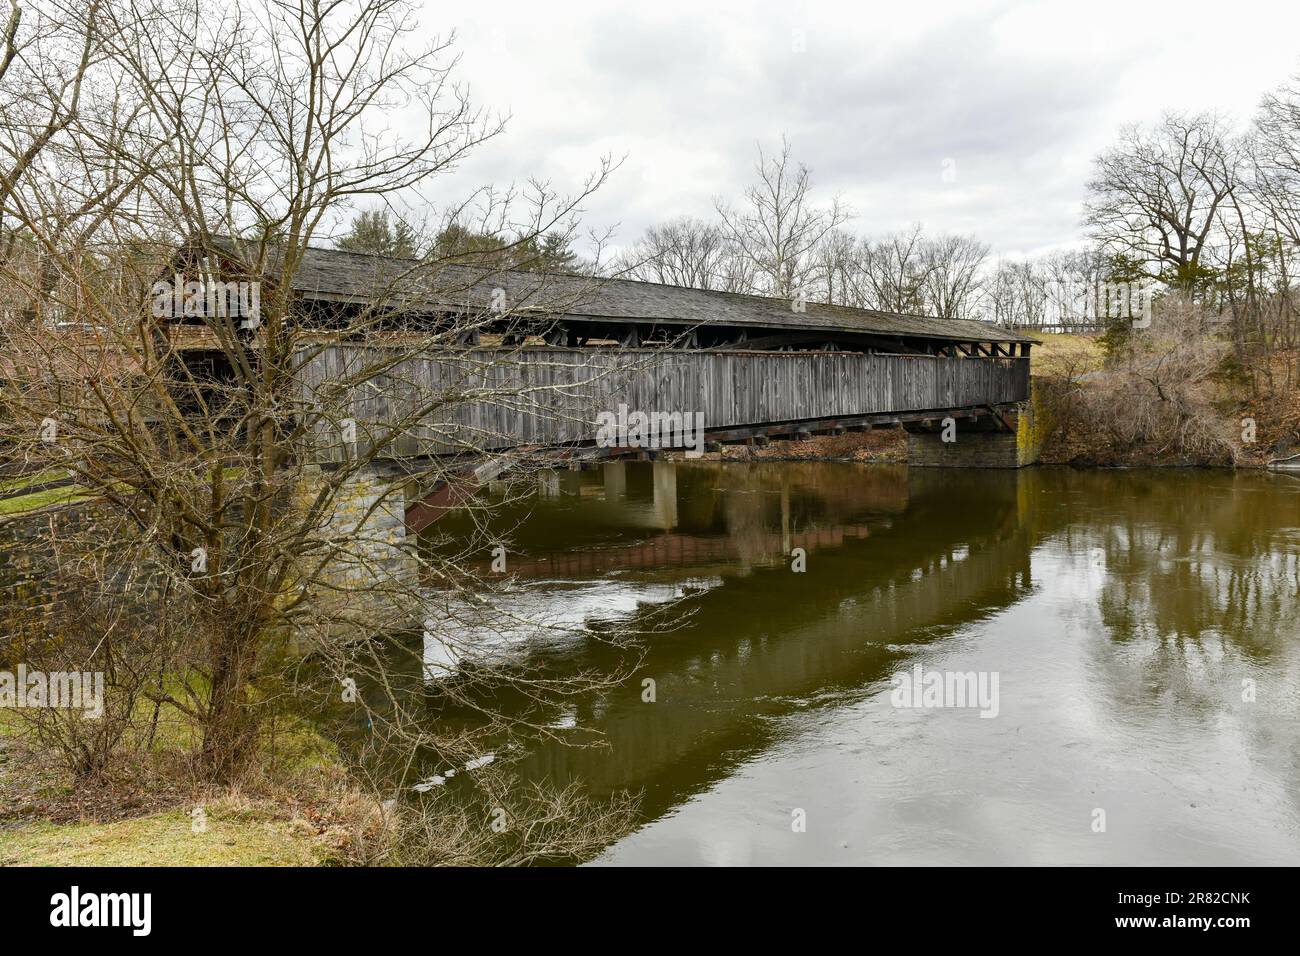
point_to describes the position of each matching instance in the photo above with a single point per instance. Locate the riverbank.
(296, 804)
(235, 834)
(1161, 404)
(296, 810)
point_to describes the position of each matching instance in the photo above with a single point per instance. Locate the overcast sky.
(876, 98)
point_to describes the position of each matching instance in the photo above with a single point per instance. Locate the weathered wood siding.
(486, 398)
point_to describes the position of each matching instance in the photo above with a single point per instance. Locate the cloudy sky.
(878, 99)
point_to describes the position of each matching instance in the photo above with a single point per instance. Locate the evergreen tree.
(373, 232)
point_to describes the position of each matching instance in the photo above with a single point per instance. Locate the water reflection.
(1123, 611)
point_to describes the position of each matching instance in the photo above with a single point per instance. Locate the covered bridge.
(550, 352)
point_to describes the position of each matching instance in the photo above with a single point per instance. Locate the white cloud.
(1020, 96)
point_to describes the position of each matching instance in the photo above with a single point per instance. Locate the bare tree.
(690, 252)
(777, 228)
(224, 475)
(839, 264)
(952, 275)
(895, 270)
(1275, 195)
(1015, 294)
(1158, 192)
(1276, 157)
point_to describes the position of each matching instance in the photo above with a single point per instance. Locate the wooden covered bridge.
(533, 359)
(468, 362)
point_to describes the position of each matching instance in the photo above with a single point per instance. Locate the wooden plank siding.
(501, 398)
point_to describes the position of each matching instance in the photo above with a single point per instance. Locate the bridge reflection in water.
(894, 561)
(1124, 612)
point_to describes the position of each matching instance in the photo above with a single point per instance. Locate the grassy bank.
(22, 504)
(298, 812)
(1162, 402)
(232, 835)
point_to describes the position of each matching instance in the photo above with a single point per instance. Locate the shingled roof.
(338, 276)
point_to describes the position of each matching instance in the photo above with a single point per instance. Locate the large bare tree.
(151, 141)
(1157, 193)
(777, 227)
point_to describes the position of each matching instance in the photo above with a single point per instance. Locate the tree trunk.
(229, 729)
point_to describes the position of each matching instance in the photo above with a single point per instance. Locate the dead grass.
(295, 807)
(233, 834)
(1065, 355)
(1166, 400)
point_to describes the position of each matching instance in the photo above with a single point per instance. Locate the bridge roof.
(335, 275)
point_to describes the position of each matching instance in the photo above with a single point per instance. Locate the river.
(1141, 630)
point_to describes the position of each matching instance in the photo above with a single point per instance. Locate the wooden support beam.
(1006, 422)
(776, 341)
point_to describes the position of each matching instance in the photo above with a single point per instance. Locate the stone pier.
(369, 582)
(1006, 439)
